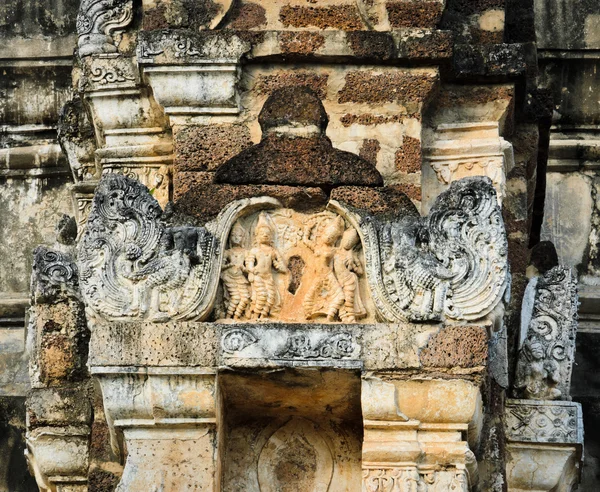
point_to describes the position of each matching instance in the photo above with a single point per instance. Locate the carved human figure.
(260, 262)
(233, 274)
(325, 296)
(537, 375)
(347, 268)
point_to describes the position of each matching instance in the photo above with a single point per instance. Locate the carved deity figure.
(233, 274)
(537, 375)
(259, 263)
(325, 296)
(419, 276)
(166, 273)
(347, 268)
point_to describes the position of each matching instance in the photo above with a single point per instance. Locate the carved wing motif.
(452, 263)
(467, 234)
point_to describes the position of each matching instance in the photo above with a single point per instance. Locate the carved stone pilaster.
(161, 402)
(133, 139)
(545, 445)
(97, 20)
(418, 434)
(59, 412)
(193, 74)
(470, 149)
(547, 341)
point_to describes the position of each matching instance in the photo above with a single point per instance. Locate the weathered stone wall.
(427, 92)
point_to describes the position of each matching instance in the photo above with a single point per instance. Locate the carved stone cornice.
(193, 73)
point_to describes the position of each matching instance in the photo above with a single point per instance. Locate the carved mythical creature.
(421, 281)
(233, 274)
(325, 297)
(166, 273)
(131, 265)
(452, 263)
(537, 375)
(260, 262)
(347, 268)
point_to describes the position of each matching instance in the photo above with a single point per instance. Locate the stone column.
(59, 412)
(161, 402)
(418, 433)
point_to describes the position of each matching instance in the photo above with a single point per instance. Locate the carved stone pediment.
(260, 261)
(452, 263)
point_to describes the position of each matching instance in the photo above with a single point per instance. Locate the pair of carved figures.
(248, 274)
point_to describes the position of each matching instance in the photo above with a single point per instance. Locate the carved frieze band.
(412, 479)
(258, 261)
(272, 342)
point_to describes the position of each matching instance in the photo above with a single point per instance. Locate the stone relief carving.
(97, 20)
(452, 263)
(133, 266)
(536, 421)
(258, 284)
(548, 340)
(411, 479)
(54, 273)
(339, 265)
(305, 454)
(337, 346)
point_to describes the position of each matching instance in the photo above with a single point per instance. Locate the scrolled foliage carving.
(97, 20)
(134, 266)
(451, 264)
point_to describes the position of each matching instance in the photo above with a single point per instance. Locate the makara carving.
(133, 266)
(452, 263)
(97, 20)
(548, 340)
(339, 265)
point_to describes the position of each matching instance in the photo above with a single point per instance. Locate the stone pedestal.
(545, 445)
(166, 417)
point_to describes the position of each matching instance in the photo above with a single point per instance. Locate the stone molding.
(470, 149)
(545, 444)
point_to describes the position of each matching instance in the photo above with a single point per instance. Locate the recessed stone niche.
(292, 429)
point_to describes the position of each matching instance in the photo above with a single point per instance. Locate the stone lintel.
(147, 346)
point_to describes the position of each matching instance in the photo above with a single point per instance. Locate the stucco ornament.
(97, 20)
(547, 347)
(133, 266)
(452, 263)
